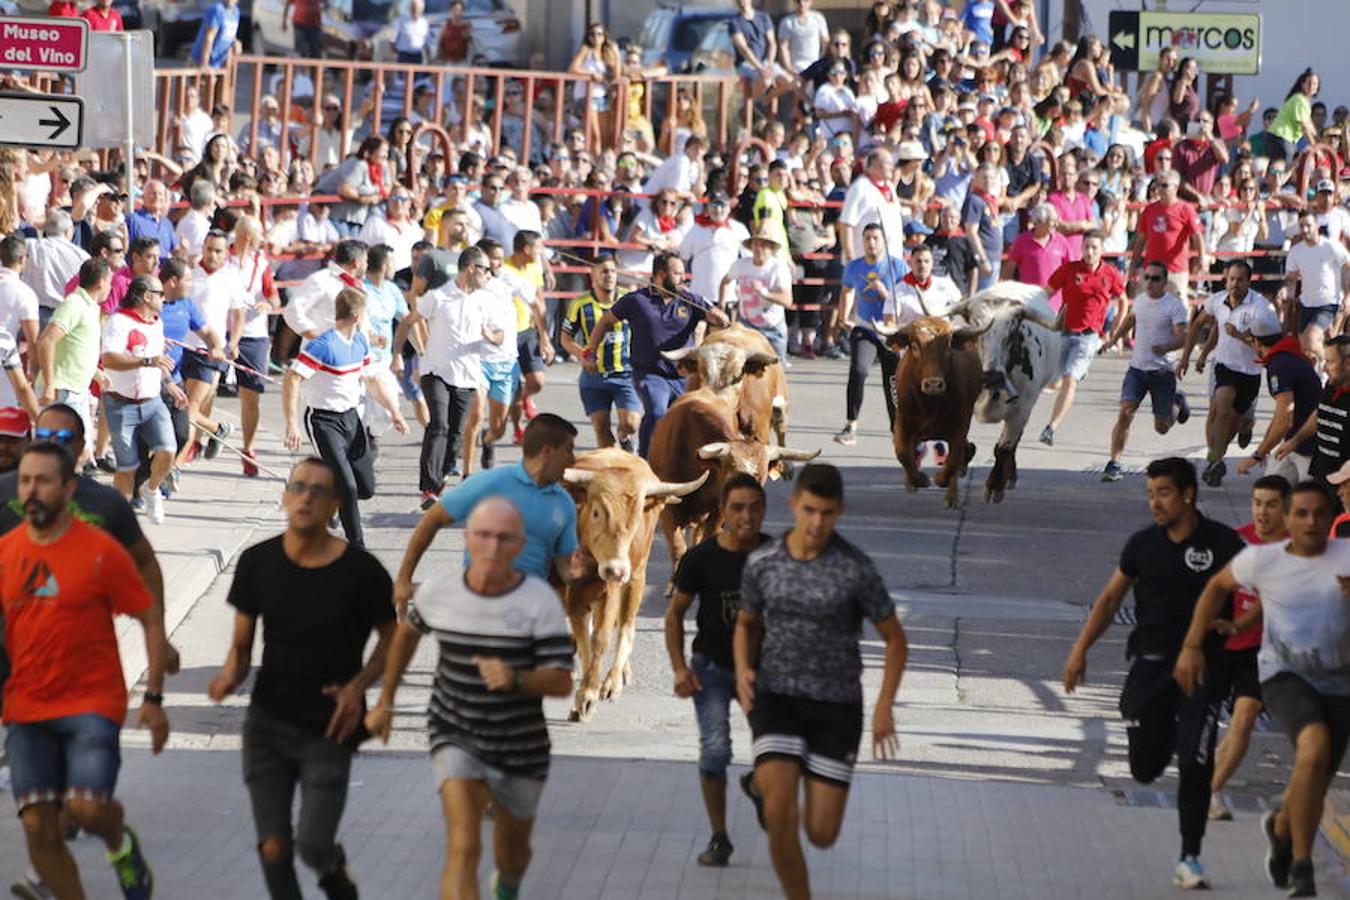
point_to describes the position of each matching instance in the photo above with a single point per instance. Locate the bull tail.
(778, 417)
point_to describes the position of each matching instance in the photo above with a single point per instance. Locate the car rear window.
(689, 33)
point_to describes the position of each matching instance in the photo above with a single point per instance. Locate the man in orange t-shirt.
(61, 582)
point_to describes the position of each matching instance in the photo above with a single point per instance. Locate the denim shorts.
(1076, 352)
(83, 404)
(712, 708)
(516, 794)
(126, 418)
(1321, 316)
(1160, 385)
(71, 757)
(501, 377)
(599, 392)
(777, 335)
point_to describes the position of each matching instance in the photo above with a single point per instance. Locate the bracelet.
(588, 353)
(153, 697)
(518, 680)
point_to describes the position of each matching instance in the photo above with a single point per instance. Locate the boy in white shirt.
(763, 291)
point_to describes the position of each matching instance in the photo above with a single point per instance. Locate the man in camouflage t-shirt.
(799, 671)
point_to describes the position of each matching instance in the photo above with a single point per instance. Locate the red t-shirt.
(1249, 637)
(59, 600)
(1167, 233)
(888, 114)
(64, 9)
(99, 21)
(1197, 162)
(306, 14)
(1087, 294)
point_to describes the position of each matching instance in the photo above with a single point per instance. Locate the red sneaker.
(250, 462)
(529, 408)
(518, 437)
(192, 450)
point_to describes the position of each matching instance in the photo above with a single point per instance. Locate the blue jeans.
(656, 393)
(777, 335)
(126, 418)
(712, 708)
(71, 756)
(600, 392)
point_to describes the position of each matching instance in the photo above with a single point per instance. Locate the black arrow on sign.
(59, 124)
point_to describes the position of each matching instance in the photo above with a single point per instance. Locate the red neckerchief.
(377, 177)
(130, 313)
(1286, 344)
(707, 222)
(955, 232)
(348, 280)
(910, 280)
(884, 188)
(665, 223)
(990, 200)
(1338, 392)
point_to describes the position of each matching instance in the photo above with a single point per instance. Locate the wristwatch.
(147, 362)
(153, 697)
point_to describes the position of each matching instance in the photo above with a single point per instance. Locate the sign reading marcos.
(43, 44)
(1222, 43)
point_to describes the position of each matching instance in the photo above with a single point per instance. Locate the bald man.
(479, 617)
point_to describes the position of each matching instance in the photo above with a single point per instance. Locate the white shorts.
(516, 794)
(377, 418)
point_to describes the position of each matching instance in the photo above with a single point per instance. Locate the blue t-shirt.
(225, 20)
(979, 18)
(384, 304)
(657, 323)
(180, 318)
(756, 32)
(864, 276)
(988, 227)
(549, 513)
(141, 224)
(1289, 371)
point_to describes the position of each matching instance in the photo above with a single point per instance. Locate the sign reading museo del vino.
(43, 44)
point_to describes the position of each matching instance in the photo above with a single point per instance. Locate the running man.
(606, 381)
(500, 362)
(533, 344)
(488, 740)
(1295, 387)
(319, 598)
(1235, 663)
(1303, 667)
(798, 673)
(868, 283)
(711, 572)
(1158, 318)
(61, 582)
(1167, 565)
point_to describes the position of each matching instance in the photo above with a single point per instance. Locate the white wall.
(1294, 34)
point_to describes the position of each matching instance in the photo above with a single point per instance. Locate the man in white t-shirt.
(714, 242)
(803, 37)
(1237, 373)
(250, 315)
(680, 173)
(215, 290)
(196, 222)
(1304, 666)
(18, 301)
(919, 292)
(501, 362)
(659, 229)
(1318, 264)
(760, 287)
(872, 198)
(1158, 318)
(52, 261)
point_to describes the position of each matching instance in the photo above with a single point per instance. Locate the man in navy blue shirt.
(1296, 387)
(152, 219)
(661, 317)
(756, 46)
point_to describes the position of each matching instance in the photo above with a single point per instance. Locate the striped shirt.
(612, 355)
(334, 368)
(525, 629)
(1333, 438)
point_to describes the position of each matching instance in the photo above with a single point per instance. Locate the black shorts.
(1233, 673)
(822, 736)
(253, 352)
(527, 351)
(1245, 387)
(200, 367)
(1295, 704)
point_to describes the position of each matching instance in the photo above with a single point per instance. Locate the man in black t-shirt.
(953, 252)
(319, 598)
(1167, 565)
(1329, 430)
(1294, 384)
(711, 572)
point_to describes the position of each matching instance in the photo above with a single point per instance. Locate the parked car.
(714, 55)
(672, 34)
(176, 22)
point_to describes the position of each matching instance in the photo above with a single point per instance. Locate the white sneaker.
(1218, 810)
(154, 503)
(1190, 875)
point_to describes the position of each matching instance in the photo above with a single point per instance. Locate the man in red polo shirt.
(103, 17)
(1088, 287)
(1170, 231)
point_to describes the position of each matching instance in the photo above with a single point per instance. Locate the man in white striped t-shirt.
(504, 645)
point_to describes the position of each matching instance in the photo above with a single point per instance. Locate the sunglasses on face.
(55, 435)
(1155, 277)
(297, 488)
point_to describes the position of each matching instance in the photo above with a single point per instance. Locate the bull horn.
(715, 450)
(971, 332)
(959, 309)
(578, 477)
(679, 355)
(787, 453)
(663, 489)
(885, 330)
(759, 360)
(1036, 318)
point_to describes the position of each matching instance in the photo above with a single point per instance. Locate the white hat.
(909, 151)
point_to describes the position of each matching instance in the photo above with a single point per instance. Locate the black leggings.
(340, 438)
(1161, 722)
(864, 346)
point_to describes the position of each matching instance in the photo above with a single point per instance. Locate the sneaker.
(939, 453)
(223, 430)
(338, 884)
(193, 449)
(133, 872)
(1114, 471)
(250, 461)
(529, 408)
(1190, 875)
(748, 788)
(1244, 435)
(1048, 436)
(154, 503)
(174, 480)
(1183, 409)
(501, 891)
(1214, 472)
(1279, 853)
(833, 352)
(518, 436)
(846, 436)
(31, 888)
(628, 445)
(489, 454)
(1301, 882)
(138, 504)
(718, 853)
(429, 499)
(1218, 810)
(106, 464)
(808, 353)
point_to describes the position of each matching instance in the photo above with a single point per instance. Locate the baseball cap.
(1327, 185)
(1262, 324)
(1341, 475)
(14, 422)
(914, 226)
(1339, 340)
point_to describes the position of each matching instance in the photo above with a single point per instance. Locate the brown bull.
(618, 501)
(936, 386)
(698, 435)
(757, 387)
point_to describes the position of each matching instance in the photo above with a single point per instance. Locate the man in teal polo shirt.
(549, 512)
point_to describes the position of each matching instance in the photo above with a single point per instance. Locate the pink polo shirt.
(121, 280)
(1079, 209)
(1036, 262)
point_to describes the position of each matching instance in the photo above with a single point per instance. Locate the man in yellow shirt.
(608, 379)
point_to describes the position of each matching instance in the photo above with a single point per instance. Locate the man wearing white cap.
(1317, 264)
(913, 187)
(1340, 480)
(1293, 384)
(761, 289)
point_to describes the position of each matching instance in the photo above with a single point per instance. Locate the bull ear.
(899, 340)
(685, 360)
(963, 337)
(758, 362)
(1036, 318)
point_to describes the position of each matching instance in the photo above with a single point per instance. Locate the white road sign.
(41, 120)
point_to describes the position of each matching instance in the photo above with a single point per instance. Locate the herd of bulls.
(993, 366)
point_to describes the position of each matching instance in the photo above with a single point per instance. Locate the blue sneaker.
(1190, 875)
(133, 872)
(1114, 471)
(501, 891)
